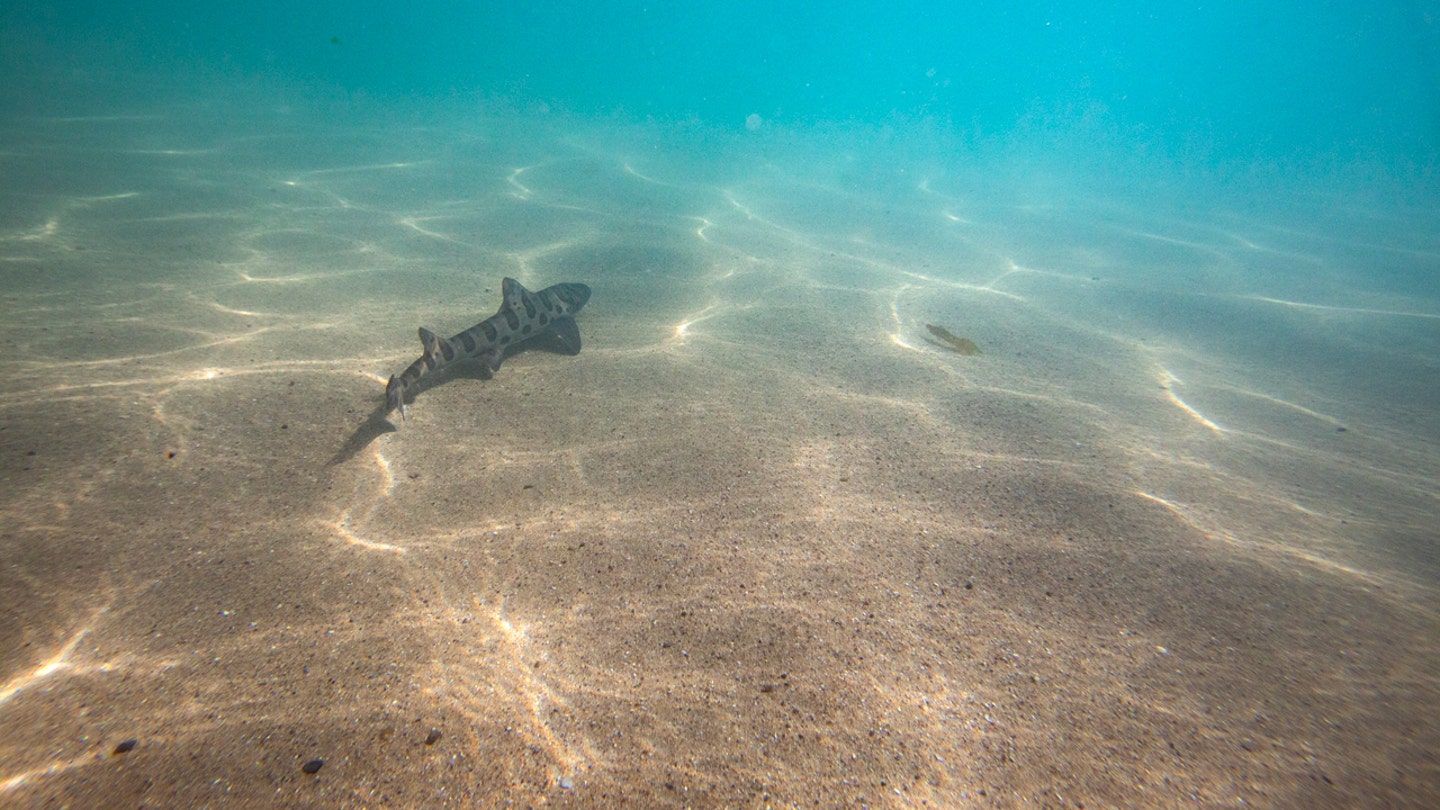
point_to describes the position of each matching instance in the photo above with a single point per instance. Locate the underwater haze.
(1226, 81)
(966, 405)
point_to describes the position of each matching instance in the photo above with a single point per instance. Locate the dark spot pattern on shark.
(523, 315)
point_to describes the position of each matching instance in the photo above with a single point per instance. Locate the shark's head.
(572, 295)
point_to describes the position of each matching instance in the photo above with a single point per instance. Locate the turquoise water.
(1219, 81)
(1166, 536)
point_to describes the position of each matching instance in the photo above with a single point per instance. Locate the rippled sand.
(1168, 538)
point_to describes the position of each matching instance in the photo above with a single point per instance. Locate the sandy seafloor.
(1169, 539)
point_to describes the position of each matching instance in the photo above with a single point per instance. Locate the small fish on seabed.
(950, 341)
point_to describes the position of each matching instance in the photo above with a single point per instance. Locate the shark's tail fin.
(395, 396)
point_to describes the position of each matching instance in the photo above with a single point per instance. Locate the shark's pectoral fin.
(569, 334)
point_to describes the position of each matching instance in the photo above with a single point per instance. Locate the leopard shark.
(523, 315)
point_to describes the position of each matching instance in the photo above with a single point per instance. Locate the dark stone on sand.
(313, 766)
(126, 746)
(433, 737)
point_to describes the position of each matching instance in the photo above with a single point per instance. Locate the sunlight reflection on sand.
(762, 540)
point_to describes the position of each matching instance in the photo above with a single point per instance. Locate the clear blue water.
(1202, 84)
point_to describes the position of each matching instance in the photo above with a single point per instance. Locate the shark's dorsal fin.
(436, 346)
(512, 291)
